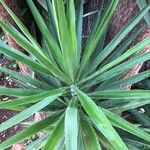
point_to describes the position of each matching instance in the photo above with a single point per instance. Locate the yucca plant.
(79, 84)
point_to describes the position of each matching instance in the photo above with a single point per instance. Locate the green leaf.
(120, 105)
(142, 4)
(18, 91)
(119, 37)
(28, 132)
(81, 144)
(106, 144)
(71, 22)
(134, 61)
(38, 143)
(30, 99)
(89, 136)
(64, 38)
(137, 144)
(71, 126)
(145, 84)
(46, 33)
(23, 28)
(52, 25)
(118, 70)
(21, 40)
(98, 18)
(79, 22)
(90, 68)
(123, 47)
(32, 50)
(56, 135)
(26, 79)
(28, 112)
(101, 122)
(141, 118)
(19, 56)
(120, 94)
(126, 82)
(125, 125)
(100, 30)
(54, 82)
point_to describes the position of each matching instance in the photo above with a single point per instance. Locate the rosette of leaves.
(79, 84)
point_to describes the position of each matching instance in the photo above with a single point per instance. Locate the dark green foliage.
(76, 85)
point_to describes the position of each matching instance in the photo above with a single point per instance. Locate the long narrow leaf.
(100, 30)
(19, 56)
(126, 82)
(27, 113)
(123, 46)
(30, 99)
(118, 70)
(89, 136)
(18, 91)
(101, 122)
(120, 105)
(125, 125)
(52, 20)
(33, 129)
(45, 31)
(119, 37)
(79, 26)
(71, 21)
(38, 143)
(127, 54)
(64, 38)
(26, 79)
(71, 126)
(56, 135)
(121, 94)
(23, 28)
(137, 144)
(142, 4)
(31, 49)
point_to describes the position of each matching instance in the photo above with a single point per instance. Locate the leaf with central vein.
(71, 22)
(142, 4)
(23, 28)
(18, 91)
(126, 82)
(125, 125)
(123, 47)
(118, 38)
(46, 33)
(100, 30)
(63, 35)
(52, 20)
(31, 49)
(27, 113)
(38, 143)
(89, 136)
(120, 69)
(101, 122)
(32, 130)
(71, 126)
(56, 135)
(30, 99)
(123, 57)
(19, 56)
(120, 105)
(137, 144)
(79, 25)
(120, 94)
(26, 79)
